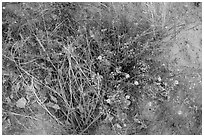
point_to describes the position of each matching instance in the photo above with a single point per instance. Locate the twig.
(13, 113)
(91, 124)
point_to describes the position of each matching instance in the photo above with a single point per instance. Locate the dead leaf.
(118, 125)
(55, 106)
(52, 105)
(21, 103)
(53, 98)
(81, 109)
(8, 100)
(16, 87)
(109, 118)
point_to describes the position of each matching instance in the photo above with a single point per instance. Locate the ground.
(102, 68)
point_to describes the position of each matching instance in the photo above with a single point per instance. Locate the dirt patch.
(186, 49)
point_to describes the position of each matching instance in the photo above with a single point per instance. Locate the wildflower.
(180, 112)
(176, 82)
(91, 34)
(108, 101)
(103, 30)
(127, 76)
(100, 57)
(136, 82)
(127, 96)
(159, 78)
(117, 69)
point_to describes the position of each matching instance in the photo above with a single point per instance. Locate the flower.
(127, 76)
(176, 82)
(159, 78)
(136, 83)
(100, 57)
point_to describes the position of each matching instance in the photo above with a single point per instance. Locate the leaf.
(118, 125)
(55, 106)
(109, 118)
(122, 116)
(16, 87)
(53, 98)
(52, 105)
(81, 109)
(8, 100)
(31, 87)
(21, 103)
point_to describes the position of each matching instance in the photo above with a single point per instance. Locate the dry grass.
(61, 56)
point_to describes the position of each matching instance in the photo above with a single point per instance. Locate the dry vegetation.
(93, 68)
